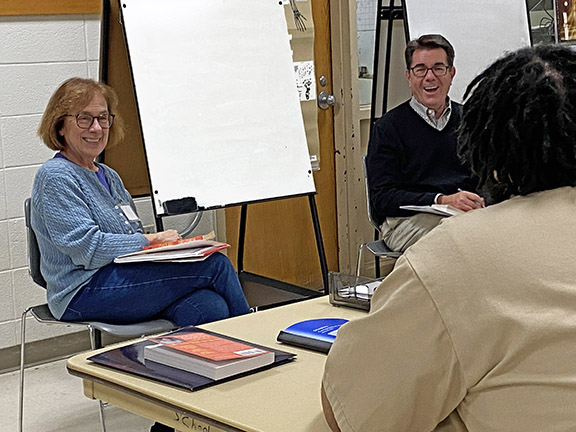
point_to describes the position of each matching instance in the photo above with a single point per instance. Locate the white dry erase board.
(217, 99)
(481, 31)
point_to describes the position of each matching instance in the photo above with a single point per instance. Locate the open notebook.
(437, 209)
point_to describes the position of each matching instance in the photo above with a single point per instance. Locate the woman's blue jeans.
(185, 293)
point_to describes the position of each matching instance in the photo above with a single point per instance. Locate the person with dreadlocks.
(412, 150)
(475, 328)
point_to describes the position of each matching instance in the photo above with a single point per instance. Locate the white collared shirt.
(429, 115)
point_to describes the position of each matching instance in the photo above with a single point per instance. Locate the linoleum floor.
(54, 402)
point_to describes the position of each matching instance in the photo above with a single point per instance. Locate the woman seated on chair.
(83, 218)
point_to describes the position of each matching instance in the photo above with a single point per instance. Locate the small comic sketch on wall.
(305, 80)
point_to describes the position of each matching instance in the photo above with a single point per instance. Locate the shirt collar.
(429, 114)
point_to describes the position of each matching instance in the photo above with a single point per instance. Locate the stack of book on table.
(185, 250)
(206, 354)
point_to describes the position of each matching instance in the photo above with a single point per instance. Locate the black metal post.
(376, 257)
(319, 242)
(241, 237)
(375, 68)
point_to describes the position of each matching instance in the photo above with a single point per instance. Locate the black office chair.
(43, 315)
(378, 247)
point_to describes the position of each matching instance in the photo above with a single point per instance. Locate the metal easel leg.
(319, 242)
(241, 238)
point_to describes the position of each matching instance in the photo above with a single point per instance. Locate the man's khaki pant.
(400, 233)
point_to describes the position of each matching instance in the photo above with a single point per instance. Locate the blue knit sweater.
(80, 226)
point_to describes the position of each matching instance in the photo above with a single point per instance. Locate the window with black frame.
(542, 22)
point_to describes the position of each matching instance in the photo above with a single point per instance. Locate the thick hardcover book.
(206, 354)
(315, 334)
(130, 358)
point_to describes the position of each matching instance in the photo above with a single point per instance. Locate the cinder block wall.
(37, 53)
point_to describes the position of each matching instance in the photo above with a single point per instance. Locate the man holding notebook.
(412, 151)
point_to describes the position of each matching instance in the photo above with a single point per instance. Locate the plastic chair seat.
(379, 249)
(42, 314)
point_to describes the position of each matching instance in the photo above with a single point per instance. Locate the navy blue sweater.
(409, 162)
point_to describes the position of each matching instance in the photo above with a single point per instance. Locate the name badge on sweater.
(129, 213)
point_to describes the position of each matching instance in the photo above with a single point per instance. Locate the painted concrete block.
(36, 39)
(94, 70)
(17, 237)
(4, 247)
(25, 89)
(93, 36)
(8, 334)
(7, 310)
(18, 188)
(3, 211)
(21, 144)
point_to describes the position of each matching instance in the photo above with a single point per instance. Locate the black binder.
(130, 358)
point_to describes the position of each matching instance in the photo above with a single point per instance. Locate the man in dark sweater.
(412, 151)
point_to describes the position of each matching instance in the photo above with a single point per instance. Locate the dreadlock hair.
(518, 129)
(428, 42)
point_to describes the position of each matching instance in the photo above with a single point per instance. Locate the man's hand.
(462, 200)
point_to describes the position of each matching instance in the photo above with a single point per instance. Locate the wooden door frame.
(350, 193)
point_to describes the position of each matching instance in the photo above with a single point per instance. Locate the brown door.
(279, 241)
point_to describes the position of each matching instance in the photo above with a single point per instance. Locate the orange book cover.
(208, 236)
(208, 346)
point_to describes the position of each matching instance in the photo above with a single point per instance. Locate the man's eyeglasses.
(439, 69)
(84, 121)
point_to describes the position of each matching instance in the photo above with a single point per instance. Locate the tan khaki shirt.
(476, 323)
